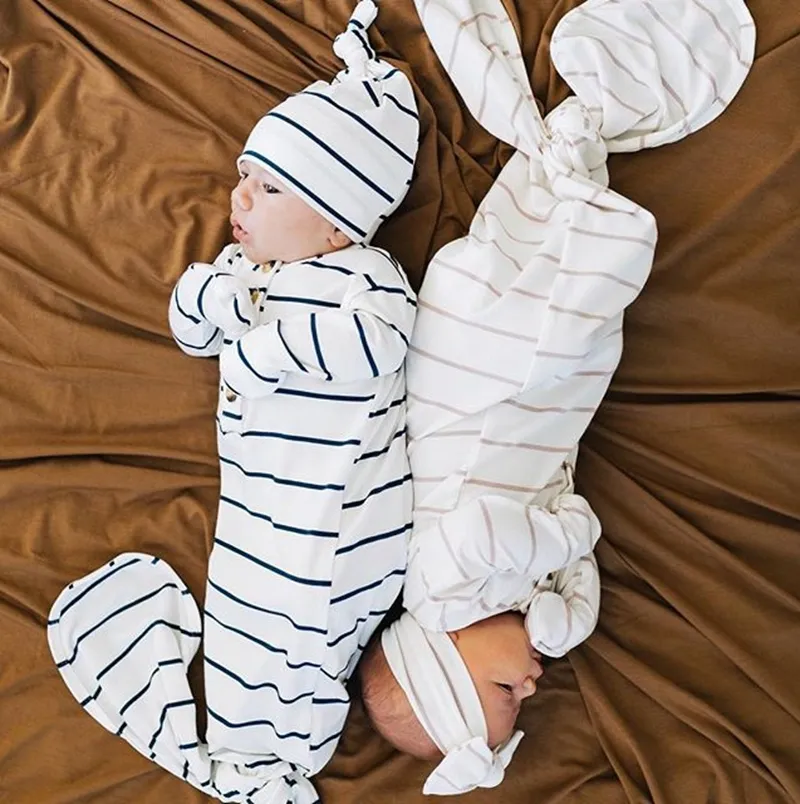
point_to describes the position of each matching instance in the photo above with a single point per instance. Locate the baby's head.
(327, 166)
(428, 694)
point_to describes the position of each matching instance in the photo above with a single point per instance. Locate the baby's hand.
(547, 623)
(564, 607)
(226, 303)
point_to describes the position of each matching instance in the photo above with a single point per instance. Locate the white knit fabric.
(519, 327)
(315, 500)
(310, 542)
(346, 147)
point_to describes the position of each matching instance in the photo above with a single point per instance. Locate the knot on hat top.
(352, 45)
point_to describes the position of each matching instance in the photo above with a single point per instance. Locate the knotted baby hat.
(347, 147)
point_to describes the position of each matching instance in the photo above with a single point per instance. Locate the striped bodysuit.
(310, 543)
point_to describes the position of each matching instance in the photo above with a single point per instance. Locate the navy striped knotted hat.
(346, 147)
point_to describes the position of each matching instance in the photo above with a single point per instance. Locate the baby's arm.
(484, 557)
(366, 337)
(564, 608)
(207, 304)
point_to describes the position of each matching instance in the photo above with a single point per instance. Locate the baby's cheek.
(500, 722)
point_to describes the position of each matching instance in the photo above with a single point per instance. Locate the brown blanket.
(119, 126)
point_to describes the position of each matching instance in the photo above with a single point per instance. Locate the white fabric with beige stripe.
(519, 327)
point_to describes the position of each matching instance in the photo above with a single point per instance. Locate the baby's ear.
(338, 239)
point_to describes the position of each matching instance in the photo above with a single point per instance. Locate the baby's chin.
(253, 255)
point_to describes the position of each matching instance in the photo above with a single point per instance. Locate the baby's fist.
(226, 303)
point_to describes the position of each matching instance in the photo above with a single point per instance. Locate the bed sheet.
(119, 124)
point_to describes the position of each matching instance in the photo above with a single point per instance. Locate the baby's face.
(504, 667)
(272, 223)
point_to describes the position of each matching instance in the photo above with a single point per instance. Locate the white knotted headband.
(440, 690)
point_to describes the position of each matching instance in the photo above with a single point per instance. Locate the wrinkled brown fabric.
(119, 124)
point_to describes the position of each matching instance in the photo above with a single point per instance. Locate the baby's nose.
(239, 199)
(528, 687)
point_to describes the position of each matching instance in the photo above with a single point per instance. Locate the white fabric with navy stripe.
(310, 546)
(347, 147)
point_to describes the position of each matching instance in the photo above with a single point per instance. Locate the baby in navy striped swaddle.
(311, 324)
(518, 334)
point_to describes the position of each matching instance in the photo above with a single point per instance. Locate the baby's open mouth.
(238, 232)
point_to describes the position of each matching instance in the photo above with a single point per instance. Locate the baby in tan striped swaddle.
(518, 333)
